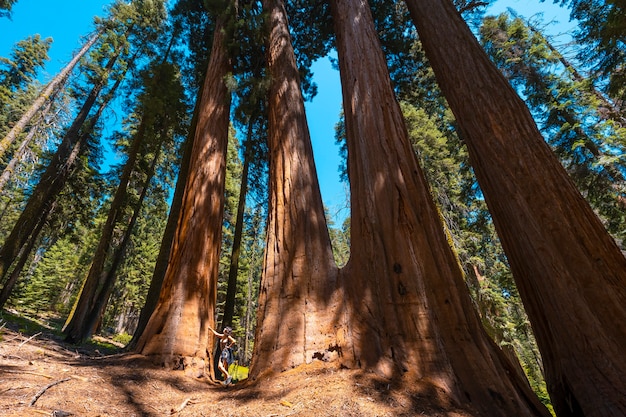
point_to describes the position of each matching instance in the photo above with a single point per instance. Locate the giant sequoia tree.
(406, 311)
(570, 273)
(409, 308)
(298, 301)
(178, 328)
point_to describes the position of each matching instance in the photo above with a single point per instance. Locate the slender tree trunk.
(77, 327)
(611, 110)
(48, 90)
(55, 176)
(18, 156)
(253, 290)
(178, 329)
(233, 271)
(22, 258)
(94, 317)
(570, 273)
(249, 304)
(298, 298)
(95, 293)
(16, 159)
(410, 313)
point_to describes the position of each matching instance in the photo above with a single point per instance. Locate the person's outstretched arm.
(214, 332)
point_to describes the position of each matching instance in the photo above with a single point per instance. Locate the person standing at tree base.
(227, 356)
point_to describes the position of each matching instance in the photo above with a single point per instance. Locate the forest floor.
(42, 375)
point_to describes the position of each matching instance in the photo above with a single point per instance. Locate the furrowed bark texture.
(178, 329)
(570, 273)
(409, 309)
(160, 268)
(297, 305)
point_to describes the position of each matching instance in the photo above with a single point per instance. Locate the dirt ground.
(41, 375)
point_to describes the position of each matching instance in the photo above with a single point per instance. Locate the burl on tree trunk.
(178, 329)
(570, 273)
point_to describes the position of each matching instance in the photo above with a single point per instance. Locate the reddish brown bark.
(570, 273)
(409, 308)
(296, 305)
(178, 329)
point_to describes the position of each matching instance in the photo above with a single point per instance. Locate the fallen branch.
(29, 373)
(181, 407)
(13, 389)
(28, 340)
(44, 389)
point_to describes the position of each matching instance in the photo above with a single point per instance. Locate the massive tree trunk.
(297, 301)
(160, 267)
(411, 316)
(51, 88)
(178, 329)
(570, 273)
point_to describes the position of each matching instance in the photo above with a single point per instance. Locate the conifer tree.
(178, 330)
(564, 262)
(48, 91)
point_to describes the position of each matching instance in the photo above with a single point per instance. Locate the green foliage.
(311, 30)
(133, 276)
(602, 37)
(5, 7)
(232, 187)
(340, 240)
(216, 7)
(18, 86)
(53, 283)
(122, 338)
(581, 125)
(28, 57)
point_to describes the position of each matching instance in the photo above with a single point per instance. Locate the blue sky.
(65, 21)
(68, 21)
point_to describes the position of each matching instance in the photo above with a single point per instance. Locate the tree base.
(333, 390)
(194, 367)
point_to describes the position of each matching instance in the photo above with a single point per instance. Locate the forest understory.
(42, 375)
